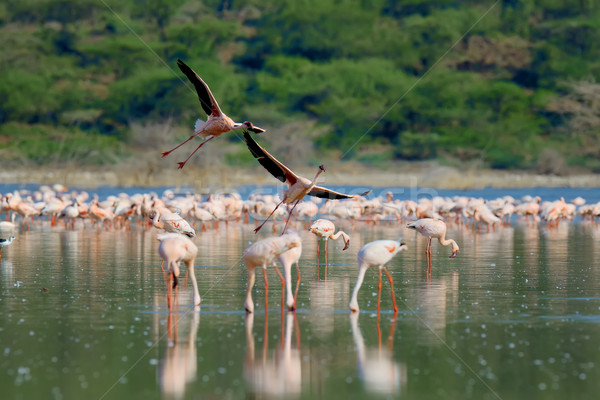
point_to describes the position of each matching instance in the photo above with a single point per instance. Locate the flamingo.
(376, 254)
(261, 254)
(298, 186)
(433, 228)
(292, 256)
(324, 228)
(175, 248)
(171, 222)
(4, 243)
(217, 122)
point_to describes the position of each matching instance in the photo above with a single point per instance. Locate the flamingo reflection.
(376, 367)
(179, 366)
(280, 374)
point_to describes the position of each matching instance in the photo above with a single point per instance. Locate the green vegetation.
(509, 86)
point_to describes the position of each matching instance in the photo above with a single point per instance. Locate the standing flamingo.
(376, 254)
(261, 254)
(433, 228)
(217, 122)
(4, 243)
(325, 229)
(175, 248)
(171, 222)
(298, 186)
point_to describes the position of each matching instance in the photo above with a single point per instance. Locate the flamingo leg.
(166, 153)
(261, 225)
(182, 164)
(391, 288)
(379, 293)
(290, 216)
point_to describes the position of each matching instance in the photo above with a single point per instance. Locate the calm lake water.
(515, 316)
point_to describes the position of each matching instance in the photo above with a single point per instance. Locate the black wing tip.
(365, 193)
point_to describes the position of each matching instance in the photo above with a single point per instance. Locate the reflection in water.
(280, 374)
(179, 365)
(376, 367)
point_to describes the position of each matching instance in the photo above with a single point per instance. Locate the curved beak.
(454, 253)
(347, 245)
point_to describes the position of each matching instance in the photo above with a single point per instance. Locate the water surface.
(84, 314)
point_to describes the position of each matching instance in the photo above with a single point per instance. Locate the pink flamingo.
(217, 122)
(261, 254)
(171, 222)
(433, 228)
(325, 229)
(175, 248)
(376, 254)
(298, 186)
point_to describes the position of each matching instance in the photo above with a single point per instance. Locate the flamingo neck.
(445, 242)
(342, 234)
(314, 181)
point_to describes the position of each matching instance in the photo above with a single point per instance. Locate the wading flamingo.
(298, 186)
(325, 229)
(4, 243)
(433, 228)
(175, 248)
(261, 254)
(217, 122)
(171, 222)
(375, 254)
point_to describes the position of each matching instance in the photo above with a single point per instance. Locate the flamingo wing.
(271, 164)
(325, 193)
(207, 100)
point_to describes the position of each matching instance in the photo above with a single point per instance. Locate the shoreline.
(430, 175)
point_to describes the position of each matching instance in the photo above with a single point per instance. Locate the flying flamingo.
(4, 243)
(171, 222)
(433, 228)
(217, 122)
(375, 254)
(298, 186)
(261, 254)
(175, 248)
(292, 256)
(324, 228)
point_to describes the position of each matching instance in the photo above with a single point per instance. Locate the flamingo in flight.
(375, 254)
(433, 228)
(217, 122)
(298, 186)
(324, 228)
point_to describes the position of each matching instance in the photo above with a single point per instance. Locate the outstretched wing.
(325, 193)
(271, 164)
(207, 100)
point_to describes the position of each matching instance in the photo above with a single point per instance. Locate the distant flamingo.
(292, 256)
(217, 123)
(375, 254)
(261, 254)
(98, 213)
(325, 229)
(175, 248)
(433, 228)
(171, 222)
(4, 243)
(298, 186)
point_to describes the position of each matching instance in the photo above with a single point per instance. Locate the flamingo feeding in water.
(287, 258)
(4, 243)
(433, 228)
(261, 254)
(376, 254)
(324, 228)
(298, 186)
(217, 122)
(175, 248)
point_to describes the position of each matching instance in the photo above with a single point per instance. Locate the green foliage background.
(510, 84)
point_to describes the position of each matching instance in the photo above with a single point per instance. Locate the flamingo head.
(347, 245)
(322, 168)
(454, 253)
(250, 126)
